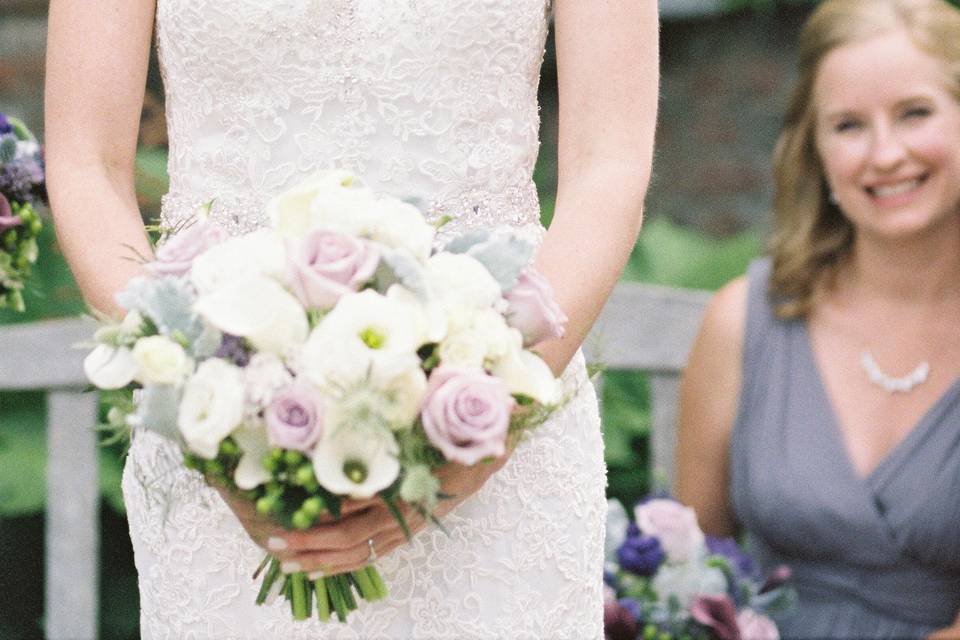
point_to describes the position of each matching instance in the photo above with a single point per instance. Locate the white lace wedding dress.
(432, 100)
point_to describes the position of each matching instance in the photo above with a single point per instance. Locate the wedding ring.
(372, 556)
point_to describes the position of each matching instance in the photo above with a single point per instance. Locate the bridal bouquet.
(666, 580)
(332, 355)
(21, 187)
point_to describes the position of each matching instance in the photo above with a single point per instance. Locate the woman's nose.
(887, 150)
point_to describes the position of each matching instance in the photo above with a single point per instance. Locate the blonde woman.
(821, 408)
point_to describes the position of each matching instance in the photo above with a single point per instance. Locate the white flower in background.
(259, 309)
(525, 373)
(688, 580)
(263, 376)
(252, 440)
(363, 330)
(160, 360)
(459, 282)
(289, 211)
(357, 461)
(110, 367)
(261, 252)
(212, 406)
(676, 527)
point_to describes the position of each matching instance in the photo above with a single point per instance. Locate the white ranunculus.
(261, 252)
(465, 349)
(110, 367)
(357, 462)
(499, 338)
(688, 580)
(160, 360)
(458, 280)
(363, 329)
(525, 373)
(212, 406)
(259, 309)
(253, 443)
(289, 211)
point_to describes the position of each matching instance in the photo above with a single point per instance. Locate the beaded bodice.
(433, 101)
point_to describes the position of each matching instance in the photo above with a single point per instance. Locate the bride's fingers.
(344, 560)
(342, 534)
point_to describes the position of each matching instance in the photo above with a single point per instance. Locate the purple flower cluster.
(21, 164)
(640, 554)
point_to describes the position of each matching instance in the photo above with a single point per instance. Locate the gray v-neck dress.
(873, 557)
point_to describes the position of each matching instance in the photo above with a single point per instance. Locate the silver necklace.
(890, 384)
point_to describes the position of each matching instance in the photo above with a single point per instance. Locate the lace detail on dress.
(433, 101)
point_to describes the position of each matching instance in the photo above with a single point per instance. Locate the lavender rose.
(176, 255)
(466, 414)
(532, 309)
(640, 554)
(675, 525)
(7, 219)
(325, 265)
(294, 418)
(754, 626)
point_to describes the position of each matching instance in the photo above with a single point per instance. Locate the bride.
(434, 101)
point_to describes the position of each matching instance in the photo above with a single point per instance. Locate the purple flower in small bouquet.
(21, 187)
(683, 583)
(640, 554)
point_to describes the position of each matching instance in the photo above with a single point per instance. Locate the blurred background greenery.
(726, 67)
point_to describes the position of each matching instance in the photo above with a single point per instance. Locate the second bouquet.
(333, 355)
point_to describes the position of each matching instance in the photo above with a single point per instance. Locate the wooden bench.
(642, 327)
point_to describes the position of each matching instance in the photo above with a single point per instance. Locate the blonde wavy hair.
(811, 234)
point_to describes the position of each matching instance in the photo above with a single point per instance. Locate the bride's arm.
(607, 62)
(97, 56)
(607, 56)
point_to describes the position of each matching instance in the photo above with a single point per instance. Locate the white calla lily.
(525, 373)
(253, 443)
(110, 367)
(357, 461)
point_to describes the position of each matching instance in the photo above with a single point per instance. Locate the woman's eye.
(917, 112)
(846, 125)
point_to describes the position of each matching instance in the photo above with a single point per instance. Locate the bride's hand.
(338, 546)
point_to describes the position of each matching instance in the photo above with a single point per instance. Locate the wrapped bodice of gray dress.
(872, 557)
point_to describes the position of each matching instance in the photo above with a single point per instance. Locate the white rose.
(458, 280)
(688, 580)
(525, 373)
(344, 209)
(499, 338)
(401, 225)
(261, 252)
(676, 527)
(465, 349)
(160, 360)
(110, 367)
(289, 211)
(259, 309)
(357, 462)
(212, 406)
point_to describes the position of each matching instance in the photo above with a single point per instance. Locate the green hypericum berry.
(301, 520)
(293, 458)
(303, 475)
(213, 467)
(229, 448)
(313, 506)
(265, 505)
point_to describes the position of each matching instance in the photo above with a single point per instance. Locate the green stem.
(323, 599)
(272, 574)
(336, 597)
(348, 598)
(378, 582)
(299, 601)
(367, 591)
